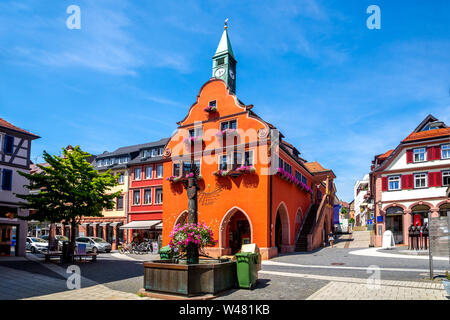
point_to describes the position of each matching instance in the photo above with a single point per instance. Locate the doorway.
(394, 223)
(238, 231)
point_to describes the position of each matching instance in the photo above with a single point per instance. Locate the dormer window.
(420, 154)
(154, 152)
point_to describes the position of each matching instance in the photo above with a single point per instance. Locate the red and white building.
(411, 183)
(145, 192)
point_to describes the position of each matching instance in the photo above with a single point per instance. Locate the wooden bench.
(51, 254)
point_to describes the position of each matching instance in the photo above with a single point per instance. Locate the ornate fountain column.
(192, 188)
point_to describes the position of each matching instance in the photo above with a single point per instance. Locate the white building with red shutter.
(412, 182)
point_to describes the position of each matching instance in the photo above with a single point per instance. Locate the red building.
(145, 192)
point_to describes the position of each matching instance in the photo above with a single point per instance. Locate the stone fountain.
(189, 274)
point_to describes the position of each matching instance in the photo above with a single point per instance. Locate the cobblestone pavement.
(274, 287)
(357, 239)
(328, 273)
(48, 282)
(358, 291)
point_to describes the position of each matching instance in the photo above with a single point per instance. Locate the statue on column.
(191, 185)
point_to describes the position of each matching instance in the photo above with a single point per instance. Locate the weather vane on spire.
(226, 23)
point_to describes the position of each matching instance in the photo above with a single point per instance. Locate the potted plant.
(210, 109)
(191, 140)
(185, 236)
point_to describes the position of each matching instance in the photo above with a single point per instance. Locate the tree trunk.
(51, 238)
(73, 235)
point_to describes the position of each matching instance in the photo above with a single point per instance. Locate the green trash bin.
(247, 272)
(165, 253)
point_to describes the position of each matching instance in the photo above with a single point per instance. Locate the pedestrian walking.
(331, 239)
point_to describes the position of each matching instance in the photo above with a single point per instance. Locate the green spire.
(224, 62)
(224, 45)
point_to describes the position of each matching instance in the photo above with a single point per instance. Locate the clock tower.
(224, 62)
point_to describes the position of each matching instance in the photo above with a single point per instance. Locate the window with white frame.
(445, 151)
(159, 171)
(248, 158)
(1, 142)
(446, 178)
(120, 203)
(287, 167)
(196, 132)
(420, 180)
(154, 152)
(232, 124)
(197, 164)
(280, 163)
(137, 197)
(120, 178)
(420, 154)
(237, 160)
(149, 172)
(147, 196)
(394, 183)
(160, 151)
(158, 196)
(176, 169)
(137, 174)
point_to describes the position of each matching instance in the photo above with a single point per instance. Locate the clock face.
(231, 74)
(219, 72)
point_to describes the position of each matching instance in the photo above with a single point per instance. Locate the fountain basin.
(207, 277)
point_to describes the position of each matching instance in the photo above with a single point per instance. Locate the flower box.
(246, 169)
(221, 173)
(210, 109)
(283, 174)
(191, 140)
(226, 132)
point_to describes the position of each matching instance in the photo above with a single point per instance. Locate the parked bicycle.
(143, 247)
(127, 248)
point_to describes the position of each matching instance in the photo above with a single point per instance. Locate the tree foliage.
(68, 188)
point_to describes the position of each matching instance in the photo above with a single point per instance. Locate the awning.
(93, 224)
(146, 224)
(159, 226)
(104, 224)
(84, 224)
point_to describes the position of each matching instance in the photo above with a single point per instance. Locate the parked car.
(36, 245)
(60, 239)
(94, 244)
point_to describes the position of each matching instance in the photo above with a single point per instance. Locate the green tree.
(68, 189)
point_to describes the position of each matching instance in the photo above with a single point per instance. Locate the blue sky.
(339, 92)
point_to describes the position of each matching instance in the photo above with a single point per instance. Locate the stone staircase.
(302, 241)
